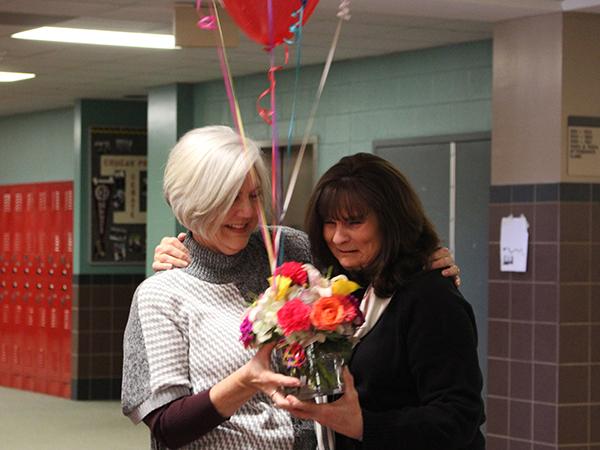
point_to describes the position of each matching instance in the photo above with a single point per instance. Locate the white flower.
(309, 296)
(263, 331)
(325, 291)
(264, 317)
(339, 277)
(314, 276)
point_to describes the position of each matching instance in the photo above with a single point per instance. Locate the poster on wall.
(118, 195)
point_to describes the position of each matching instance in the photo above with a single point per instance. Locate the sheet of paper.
(514, 236)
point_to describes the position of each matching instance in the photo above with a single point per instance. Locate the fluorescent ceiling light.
(99, 37)
(6, 77)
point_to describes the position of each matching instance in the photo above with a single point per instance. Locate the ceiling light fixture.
(99, 37)
(7, 77)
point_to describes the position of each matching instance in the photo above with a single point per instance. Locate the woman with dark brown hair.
(416, 382)
(365, 184)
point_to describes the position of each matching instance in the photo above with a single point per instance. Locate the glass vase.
(318, 366)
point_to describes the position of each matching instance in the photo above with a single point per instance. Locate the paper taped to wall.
(514, 236)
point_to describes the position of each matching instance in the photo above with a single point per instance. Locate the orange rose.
(328, 313)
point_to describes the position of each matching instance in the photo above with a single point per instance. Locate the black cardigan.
(417, 372)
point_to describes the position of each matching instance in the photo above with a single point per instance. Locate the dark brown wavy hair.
(364, 184)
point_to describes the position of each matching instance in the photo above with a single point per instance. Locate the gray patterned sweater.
(182, 337)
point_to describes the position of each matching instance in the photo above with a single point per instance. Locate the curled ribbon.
(344, 10)
(296, 27)
(206, 22)
(266, 113)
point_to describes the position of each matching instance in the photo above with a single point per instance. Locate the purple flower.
(247, 336)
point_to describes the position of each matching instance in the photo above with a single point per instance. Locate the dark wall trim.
(83, 279)
(96, 389)
(545, 192)
(582, 121)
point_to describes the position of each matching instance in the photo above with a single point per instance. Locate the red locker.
(18, 213)
(40, 362)
(6, 285)
(39, 286)
(29, 322)
(4, 297)
(4, 340)
(66, 285)
(54, 357)
(53, 340)
(9, 280)
(59, 342)
(17, 341)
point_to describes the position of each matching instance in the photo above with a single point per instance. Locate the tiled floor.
(30, 421)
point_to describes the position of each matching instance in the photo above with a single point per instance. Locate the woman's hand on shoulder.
(343, 416)
(170, 253)
(443, 259)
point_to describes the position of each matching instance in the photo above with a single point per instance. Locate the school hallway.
(32, 421)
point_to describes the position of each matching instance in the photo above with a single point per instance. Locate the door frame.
(441, 139)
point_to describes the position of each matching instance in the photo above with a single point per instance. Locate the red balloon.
(252, 16)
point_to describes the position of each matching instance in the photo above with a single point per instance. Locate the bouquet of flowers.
(313, 319)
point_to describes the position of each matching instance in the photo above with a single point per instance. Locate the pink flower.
(352, 312)
(294, 271)
(294, 316)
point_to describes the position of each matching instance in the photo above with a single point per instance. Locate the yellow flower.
(282, 285)
(343, 286)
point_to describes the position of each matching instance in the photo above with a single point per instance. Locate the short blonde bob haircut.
(204, 174)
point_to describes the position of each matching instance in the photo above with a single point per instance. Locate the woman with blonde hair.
(185, 373)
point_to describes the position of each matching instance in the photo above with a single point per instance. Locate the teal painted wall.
(445, 90)
(102, 113)
(37, 147)
(53, 146)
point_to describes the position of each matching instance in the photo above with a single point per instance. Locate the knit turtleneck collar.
(211, 265)
(248, 269)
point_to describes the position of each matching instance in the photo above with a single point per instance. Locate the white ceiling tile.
(57, 7)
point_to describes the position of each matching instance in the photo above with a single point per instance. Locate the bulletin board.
(118, 195)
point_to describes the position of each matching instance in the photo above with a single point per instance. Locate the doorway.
(451, 174)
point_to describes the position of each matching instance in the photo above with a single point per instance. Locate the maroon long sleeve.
(184, 420)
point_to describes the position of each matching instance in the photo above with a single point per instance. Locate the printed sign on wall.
(583, 146)
(118, 195)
